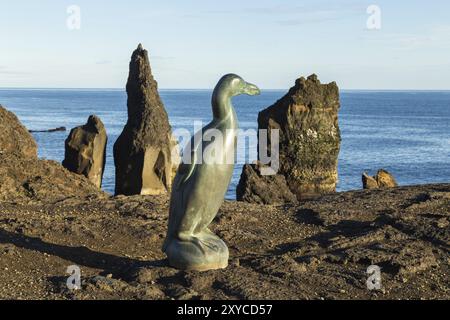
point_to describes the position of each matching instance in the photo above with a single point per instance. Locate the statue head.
(233, 85)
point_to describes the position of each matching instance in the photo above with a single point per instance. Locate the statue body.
(200, 186)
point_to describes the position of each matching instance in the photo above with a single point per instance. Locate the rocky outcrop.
(383, 179)
(369, 182)
(142, 151)
(85, 150)
(254, 187)
(31, 180)
(309, 136)
(307, 117)
(14, 137)
(26, 179)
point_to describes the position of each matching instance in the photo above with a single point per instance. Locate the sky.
(192, 43)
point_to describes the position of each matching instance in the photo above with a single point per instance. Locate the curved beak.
(251, 89)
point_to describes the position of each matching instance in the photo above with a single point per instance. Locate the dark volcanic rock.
(320, 249)
(307, 117)
(383, 179)
(369, 182)
(85, 151)
(254, 187)
(142, 152)
(24, 178)
(307, 120)
(14, 137)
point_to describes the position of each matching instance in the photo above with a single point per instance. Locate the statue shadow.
(344, 228)
(81, 256)
(308, 216)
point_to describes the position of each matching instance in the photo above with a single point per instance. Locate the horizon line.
(210, 89)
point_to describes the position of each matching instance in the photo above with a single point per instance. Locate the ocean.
(404, 132)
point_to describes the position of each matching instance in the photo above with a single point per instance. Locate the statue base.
(201, 252)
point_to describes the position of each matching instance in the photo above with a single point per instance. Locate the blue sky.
(192, 43)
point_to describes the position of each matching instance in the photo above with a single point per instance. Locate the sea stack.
(85, 150)
(309, 137)
(142, 152)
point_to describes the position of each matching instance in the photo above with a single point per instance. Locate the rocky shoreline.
(319, 249)
(51, 218)
(291, 236)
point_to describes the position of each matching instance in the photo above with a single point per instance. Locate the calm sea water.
(407, 133)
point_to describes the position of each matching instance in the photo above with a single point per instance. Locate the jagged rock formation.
(307, 117)
(383, 179)
(254, 187)
(309, 136)
(85, 150)
(142, 152)
(14, 137)
(26, 179)
(369, 182)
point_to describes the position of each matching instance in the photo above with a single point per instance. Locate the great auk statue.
(201, 183)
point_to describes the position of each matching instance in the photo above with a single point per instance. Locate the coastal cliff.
(26, 179)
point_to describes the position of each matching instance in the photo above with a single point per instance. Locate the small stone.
(153, 292)
(145, 275)
(369, 182)
(254, 187)
(383, 179)
(442, 223)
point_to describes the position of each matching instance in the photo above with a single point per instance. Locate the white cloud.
(7, 71)
(433, 37)
(103, 62)
(301, 14)
(161, 57)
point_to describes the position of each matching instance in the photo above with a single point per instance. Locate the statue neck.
(221, 105)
